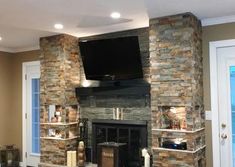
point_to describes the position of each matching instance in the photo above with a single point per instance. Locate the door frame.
(24, 107)
(213, 46)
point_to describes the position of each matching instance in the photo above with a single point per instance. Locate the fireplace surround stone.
(176, 82)
(59, 75)
(172, 64)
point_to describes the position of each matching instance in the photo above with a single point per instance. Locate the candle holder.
(81, 154)
(9, 156)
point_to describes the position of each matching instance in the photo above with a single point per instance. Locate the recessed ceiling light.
(58, 26)
(115, 15)
(0, 38)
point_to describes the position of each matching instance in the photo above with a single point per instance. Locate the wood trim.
(218, 20)
(214, 96)
(24, 124)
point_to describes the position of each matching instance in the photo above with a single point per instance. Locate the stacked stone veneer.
(176, 81)
(173, 159)
(174, 69)
(60, 73)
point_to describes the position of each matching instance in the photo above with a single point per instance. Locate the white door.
(226, 105)
(32, 113)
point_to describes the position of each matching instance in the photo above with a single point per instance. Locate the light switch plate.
(51, 112)
(208, 115)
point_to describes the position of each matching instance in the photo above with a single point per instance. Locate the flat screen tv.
(111, 59)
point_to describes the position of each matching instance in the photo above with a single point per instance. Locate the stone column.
(176, 81)
(60, 73)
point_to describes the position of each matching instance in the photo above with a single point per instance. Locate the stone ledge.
(177, 150)
(51, 165)
(179, 131)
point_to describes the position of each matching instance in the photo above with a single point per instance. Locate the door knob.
(224, 136)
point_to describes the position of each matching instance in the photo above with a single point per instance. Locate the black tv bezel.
(121, 77)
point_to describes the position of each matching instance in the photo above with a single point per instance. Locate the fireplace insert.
(131, 132)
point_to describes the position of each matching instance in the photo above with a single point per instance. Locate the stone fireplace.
(172, 65)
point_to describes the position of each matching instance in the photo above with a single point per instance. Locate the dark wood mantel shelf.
(122, 122)
(114, 91)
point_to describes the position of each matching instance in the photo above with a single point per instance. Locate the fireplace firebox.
(131, 132)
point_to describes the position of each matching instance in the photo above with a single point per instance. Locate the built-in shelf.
(59, 123)
(56, 138)
(177, 150)
(52, 165)
(178, 130)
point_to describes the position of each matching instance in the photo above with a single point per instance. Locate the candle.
(81, 144)
(121, 114)
(74, 158)
(144, 152)
(146, 160)
(69, 159)
(117, 113)
(114, 113)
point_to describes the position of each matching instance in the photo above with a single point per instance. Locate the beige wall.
(212, 33)
(5, 98)
(16, 88)
(11, 95)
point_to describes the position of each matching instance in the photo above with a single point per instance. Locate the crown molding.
(205, 22)
(6, 49)
(218, 20)
(16, 50)
(26, 49)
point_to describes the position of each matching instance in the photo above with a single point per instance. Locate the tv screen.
(112, 59)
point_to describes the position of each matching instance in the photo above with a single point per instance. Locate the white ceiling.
(22, 22)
